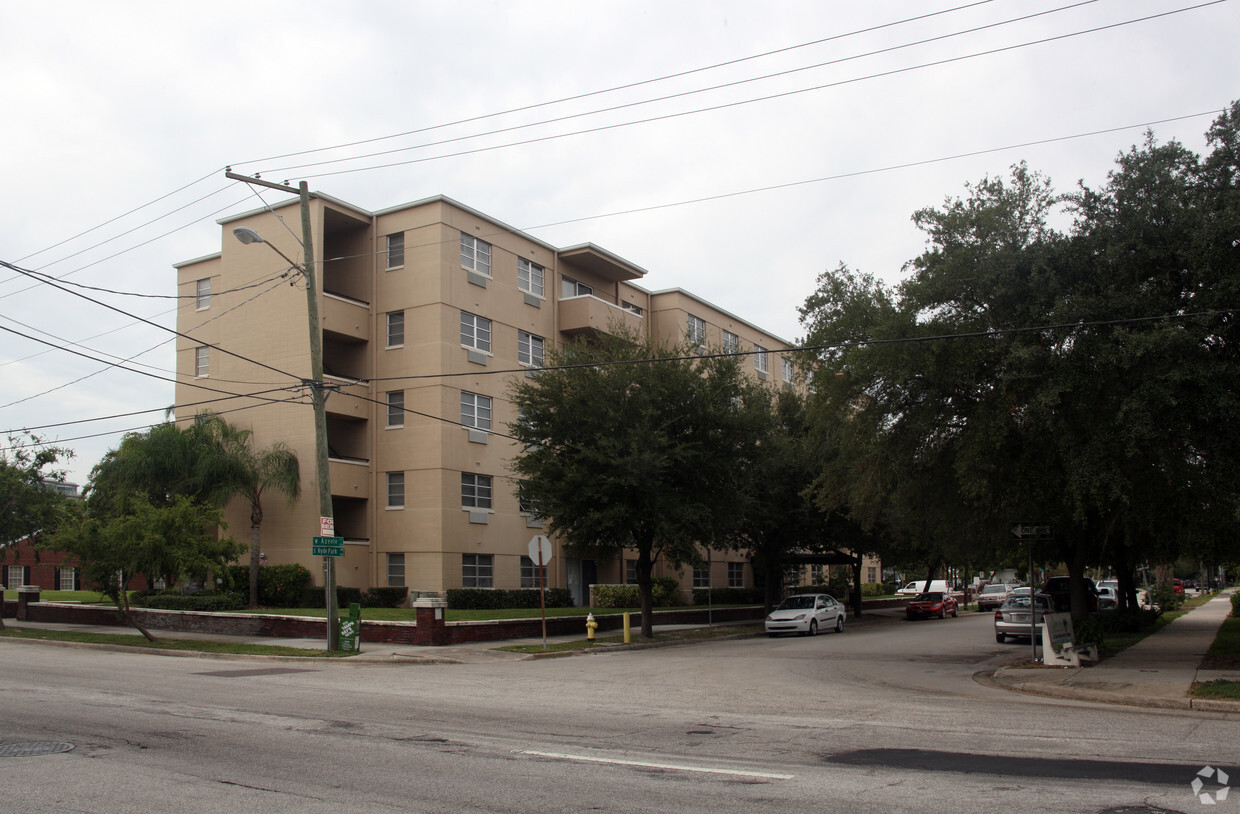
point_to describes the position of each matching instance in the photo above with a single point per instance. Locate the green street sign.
(327, 547)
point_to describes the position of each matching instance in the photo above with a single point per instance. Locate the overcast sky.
(733, 149)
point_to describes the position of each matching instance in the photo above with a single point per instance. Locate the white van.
(914, 588)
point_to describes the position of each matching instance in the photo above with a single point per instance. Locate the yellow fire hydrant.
(591, 626)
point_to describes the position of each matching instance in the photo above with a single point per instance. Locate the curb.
(991, 678)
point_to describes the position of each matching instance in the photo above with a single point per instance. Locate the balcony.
(345, 317)
(350, 477)
(589, 314)
(347, 398)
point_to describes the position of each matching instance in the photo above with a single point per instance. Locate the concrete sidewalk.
(1157, 671)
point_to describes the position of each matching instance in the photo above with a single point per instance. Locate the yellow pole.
(627, 628)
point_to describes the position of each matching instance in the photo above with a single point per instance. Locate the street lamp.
(315, 383)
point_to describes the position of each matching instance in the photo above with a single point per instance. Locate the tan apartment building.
(428, 310)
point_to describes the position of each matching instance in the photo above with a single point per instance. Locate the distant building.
(428, 311)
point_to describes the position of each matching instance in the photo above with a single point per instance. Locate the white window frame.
(395, 329)
(759, 359)
(476, 410)
(531, 349)
(202, 362)
(531, 277)
(202, 294)
(395, 251)
(476, 491)
(475, 255)
(525, 505)
(395, 490)
(396, 569)
(731, 342)
(475, 332)
(786, 365)
(697, 331)
(701, 576)
(395, 409)
(736, 575)
(477, 570)
(630, 572)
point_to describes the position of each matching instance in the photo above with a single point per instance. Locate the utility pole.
(319, 394)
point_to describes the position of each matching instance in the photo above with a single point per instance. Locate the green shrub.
(279, 586)
(873, 589)
(384, 597)
(490, 599)
(662, 593)
(207, 603)
(1166, 598)
(728, 596)
(1235, 604)
(315, 596)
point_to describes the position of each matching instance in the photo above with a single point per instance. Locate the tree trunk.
(255, 553)
(127, 612)
(645, 587)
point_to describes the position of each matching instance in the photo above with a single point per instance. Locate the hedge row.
(190, 602)
(489, 599)
(663, 594)
(316, 597)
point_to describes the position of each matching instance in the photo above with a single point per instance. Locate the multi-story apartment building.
(428, 310)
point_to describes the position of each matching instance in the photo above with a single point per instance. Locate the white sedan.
(806, 614)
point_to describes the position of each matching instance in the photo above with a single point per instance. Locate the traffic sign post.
(540, 553)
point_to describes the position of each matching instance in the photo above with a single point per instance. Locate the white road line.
(672, 766)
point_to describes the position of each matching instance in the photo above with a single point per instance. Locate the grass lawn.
(85, 597)
(1224, 654)
(137, 640)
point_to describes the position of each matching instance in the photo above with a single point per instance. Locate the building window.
(203, 294)
(529, 349)
(787, 369)
(701, 577)
(731, 342)
(871, 574)
(396, 570)
(476, 332)
(530, 277)
(202, 361)
(395, 329)
(631, 308)
(697, 331)
(630, 572)
(475, 410)
(396, 408)
(571, 288)
(67, 578)
(17, 576)
(475, 491)
(396, 250)
(525, 503)
(396, 490)
(475, 254)
(476, 571)
(736, 575)
(530, 575)
(815, 575)
(759, 358)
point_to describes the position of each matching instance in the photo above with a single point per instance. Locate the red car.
(931, 604)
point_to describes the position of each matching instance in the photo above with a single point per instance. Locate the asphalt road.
(888, 716)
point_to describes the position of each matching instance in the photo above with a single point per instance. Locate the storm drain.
(33, 749)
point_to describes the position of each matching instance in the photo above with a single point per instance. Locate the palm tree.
(235, 469)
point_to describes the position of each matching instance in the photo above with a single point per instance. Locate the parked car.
(806, 614)
(1177, 586)
(1060, 591)
(1012, 617)
(919, 585)
(931, 603)
(993, 595)
(1108, 598)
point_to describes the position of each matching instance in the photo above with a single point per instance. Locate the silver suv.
(993, 595)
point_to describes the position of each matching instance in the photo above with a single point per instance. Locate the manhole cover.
(32, 749)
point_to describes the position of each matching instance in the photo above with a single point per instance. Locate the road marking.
(672, 766)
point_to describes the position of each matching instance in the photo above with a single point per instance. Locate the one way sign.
(1033, 531)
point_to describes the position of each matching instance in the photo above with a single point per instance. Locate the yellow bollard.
(627, 637)
(591, 626)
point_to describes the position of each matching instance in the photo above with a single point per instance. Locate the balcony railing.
(589, 313)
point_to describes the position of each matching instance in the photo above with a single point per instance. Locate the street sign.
(327, 547)
(1033, 531)
(540, 549)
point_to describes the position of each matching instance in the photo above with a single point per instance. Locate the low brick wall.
(406, 633)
